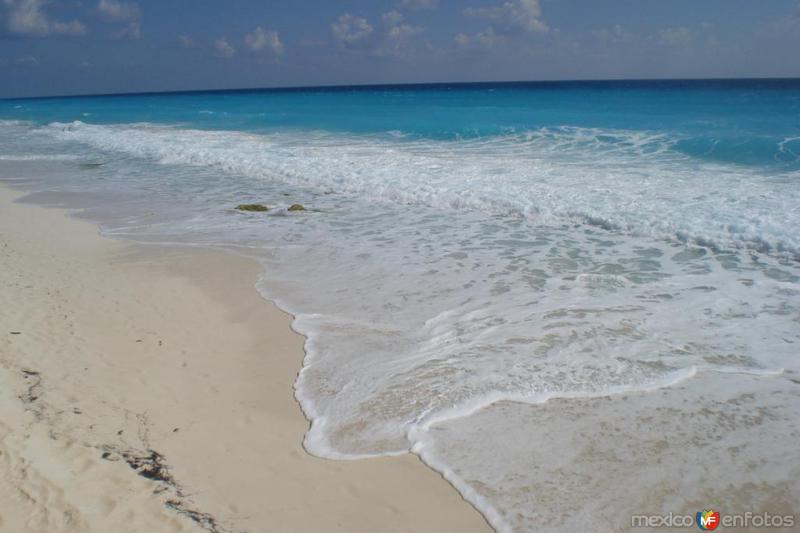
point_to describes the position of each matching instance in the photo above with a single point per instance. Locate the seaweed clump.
(252, 207)
(296, 207)
(151, 466)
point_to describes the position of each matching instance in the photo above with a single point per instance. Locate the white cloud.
(523, 14)
(392, 18)
(398, 38)
(349, 30)
(394, 38)
(483, 39)
(27, 17)
(419, 4)
(487, 38)
(679, 37)
(73, 28)
(186, 42)
(126, 12)
(223, 48)
(115, 10)
(261, 39)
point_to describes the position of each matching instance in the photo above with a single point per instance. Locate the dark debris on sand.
(147, 463)
(34, 380)
(204, 520)
(152, 465)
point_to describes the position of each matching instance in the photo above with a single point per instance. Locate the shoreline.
(123, 358)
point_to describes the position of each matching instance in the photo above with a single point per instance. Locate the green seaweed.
(252, 207)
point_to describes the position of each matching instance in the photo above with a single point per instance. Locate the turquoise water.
(744, 122)
(466, 245)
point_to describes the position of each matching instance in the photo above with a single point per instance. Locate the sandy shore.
(118, 360)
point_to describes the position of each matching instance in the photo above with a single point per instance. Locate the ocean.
(481, 269)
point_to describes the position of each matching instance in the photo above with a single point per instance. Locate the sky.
(55, 47)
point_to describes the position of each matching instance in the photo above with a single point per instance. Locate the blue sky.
(99, 46)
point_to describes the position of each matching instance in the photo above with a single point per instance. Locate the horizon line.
(290, 88)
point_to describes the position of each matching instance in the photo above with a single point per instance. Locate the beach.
(525, 306)
(149, 388)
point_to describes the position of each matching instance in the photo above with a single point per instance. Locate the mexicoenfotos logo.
(707, 520)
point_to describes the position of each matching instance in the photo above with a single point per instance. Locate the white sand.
(123, 350)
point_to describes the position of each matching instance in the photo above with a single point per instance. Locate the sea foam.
(624, 180)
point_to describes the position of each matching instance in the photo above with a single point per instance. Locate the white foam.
(38, 157)
(625, 180)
